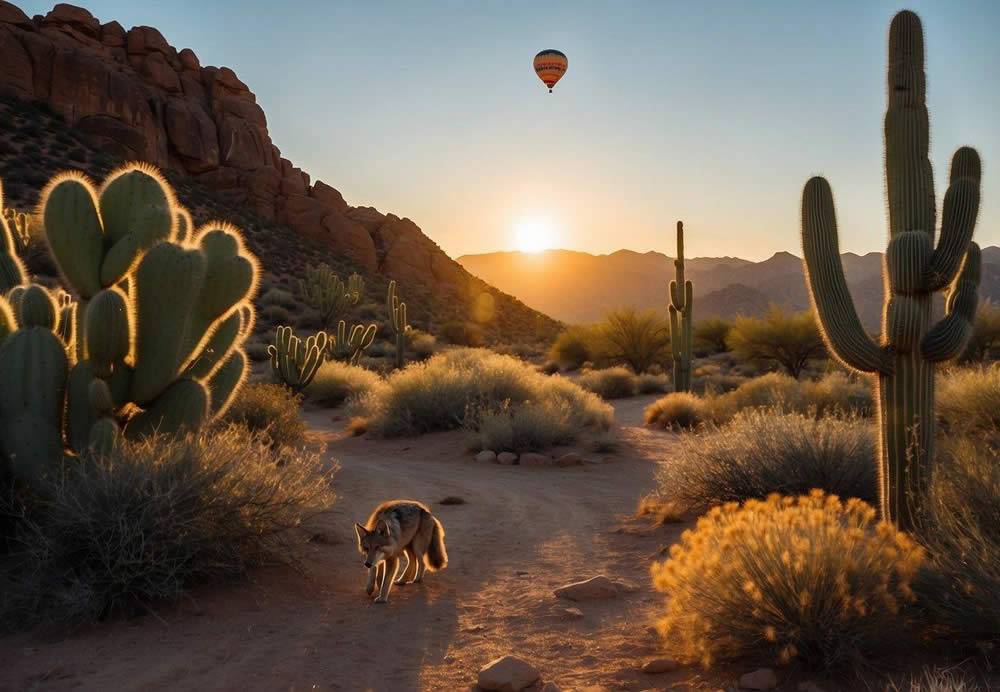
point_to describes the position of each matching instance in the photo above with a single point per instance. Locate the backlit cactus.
(295, 362)
(396, 310)
(348, 345)
(12, 271)
(19, 225)
(911, 345)
(680, 319)
(327, 293)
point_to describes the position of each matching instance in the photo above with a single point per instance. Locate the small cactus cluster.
(680, 319)
(348, 344)
(912, 345)
(327, 293)
(295, 362)
(19, 225)
(152, 341)
(396, 310)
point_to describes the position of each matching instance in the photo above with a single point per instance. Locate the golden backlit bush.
(968, 399)
(677, 411)
(810, 579)
(836, 394)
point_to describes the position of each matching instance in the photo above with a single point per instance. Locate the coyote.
(395, 528)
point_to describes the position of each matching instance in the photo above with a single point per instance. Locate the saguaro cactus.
(397, 320)
(681, 294)
(349, 344)
(911, 345)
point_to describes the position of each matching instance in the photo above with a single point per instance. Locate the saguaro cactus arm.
(958, 218)
(948, 338)
(838, 318)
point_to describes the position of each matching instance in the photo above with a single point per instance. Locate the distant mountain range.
(578, 287)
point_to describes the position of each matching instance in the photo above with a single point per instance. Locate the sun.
(533, 235)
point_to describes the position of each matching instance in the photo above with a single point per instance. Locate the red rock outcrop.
(145, 99)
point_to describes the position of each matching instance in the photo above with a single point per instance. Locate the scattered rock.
(573, 612)
(571, 459)
(507, 674)
(473, 629)
(593, 589)
(451, 500)
(507, 458)
(532, 459)
(487, 455)
(660, 665)
(760, 679)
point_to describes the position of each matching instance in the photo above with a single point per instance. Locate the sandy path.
(520, 533)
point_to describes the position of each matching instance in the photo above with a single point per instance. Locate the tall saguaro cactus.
(397, 320)
(911, 345)
(681, 294)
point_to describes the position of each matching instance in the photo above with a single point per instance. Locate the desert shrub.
(461, 333)
(962, 534)
(809, 579)
(528, 428)
(574, 347)
(279, 297)
(455, 389)
(638, 339)
(336, 382)
(762, 452)
(712, 334)
(270, 409)
(834, 395)
(111, 535)
(678, 410)
(611, 383)
(986, 334)
(274, 314)
(716, 384)
(968, 399)
(422, 344)
(651, 384)
(788, 340)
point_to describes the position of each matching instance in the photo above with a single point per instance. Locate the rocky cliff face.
(146, 100)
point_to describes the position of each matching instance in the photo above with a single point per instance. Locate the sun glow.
(533, 235)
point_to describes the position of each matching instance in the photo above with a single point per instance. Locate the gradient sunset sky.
(715, 112)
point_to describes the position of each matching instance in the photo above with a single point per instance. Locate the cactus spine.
(904, 362)
(681, 294)
(397, 320)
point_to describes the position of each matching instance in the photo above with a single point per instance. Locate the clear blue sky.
(711, 112)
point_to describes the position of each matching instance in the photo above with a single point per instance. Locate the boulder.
(760, 679)
(507, 458)
(16, 68)
(76, 17)
(594, 589)
(192, 135)
(352, 239)
(328, 196)
(304, 214)
(159, 73)
(486, 456)
(189, 61)
(12, 14)
(507, 674)
(113, 35)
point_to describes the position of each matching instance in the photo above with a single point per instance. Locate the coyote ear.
(361, 530)
(383, 527)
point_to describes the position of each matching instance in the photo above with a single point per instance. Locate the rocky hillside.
(129, 94)
(579, 287)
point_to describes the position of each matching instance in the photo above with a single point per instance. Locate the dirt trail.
(520, 533)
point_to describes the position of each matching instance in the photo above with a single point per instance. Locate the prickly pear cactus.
(911, 346)
(295, 362)
(681, 294)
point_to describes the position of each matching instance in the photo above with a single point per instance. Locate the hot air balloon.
(550, 66)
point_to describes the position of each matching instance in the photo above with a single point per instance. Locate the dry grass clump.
(111, 535)
(676, 411)
(648, 383)
(968, 399)
(762, 452)
(962, 535)
(835, 395)
(458, 388)
(610, 383)
(271, 409)
(337, 382)
(527, 428)
(810, 579)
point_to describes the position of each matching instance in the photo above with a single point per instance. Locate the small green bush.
(611, 383)
(790, 341)
(527, 428)
(676, 411)
(574, 347)
(461, 333)
(810, 579)
(336, 382)
(638, 339)
(270, 409)
(117, 534)
(765, 451)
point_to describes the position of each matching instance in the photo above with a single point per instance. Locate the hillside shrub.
(610, 383)
(336, 382)
(788, 340)
(968, 399)
(677, 411)
(270, 409)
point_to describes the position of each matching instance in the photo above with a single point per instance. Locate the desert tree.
(790, 340)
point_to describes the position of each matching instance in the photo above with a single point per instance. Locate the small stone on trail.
(573, 612)
(507, 674)
(660, 665)
(452, 500)
(761, 679)
(507, 458)
(593, 589)
(486, 455)
(472, 629)
(571, 459)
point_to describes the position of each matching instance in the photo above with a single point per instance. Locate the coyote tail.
(437, 556)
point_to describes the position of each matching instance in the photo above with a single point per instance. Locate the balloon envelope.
(550, 66)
